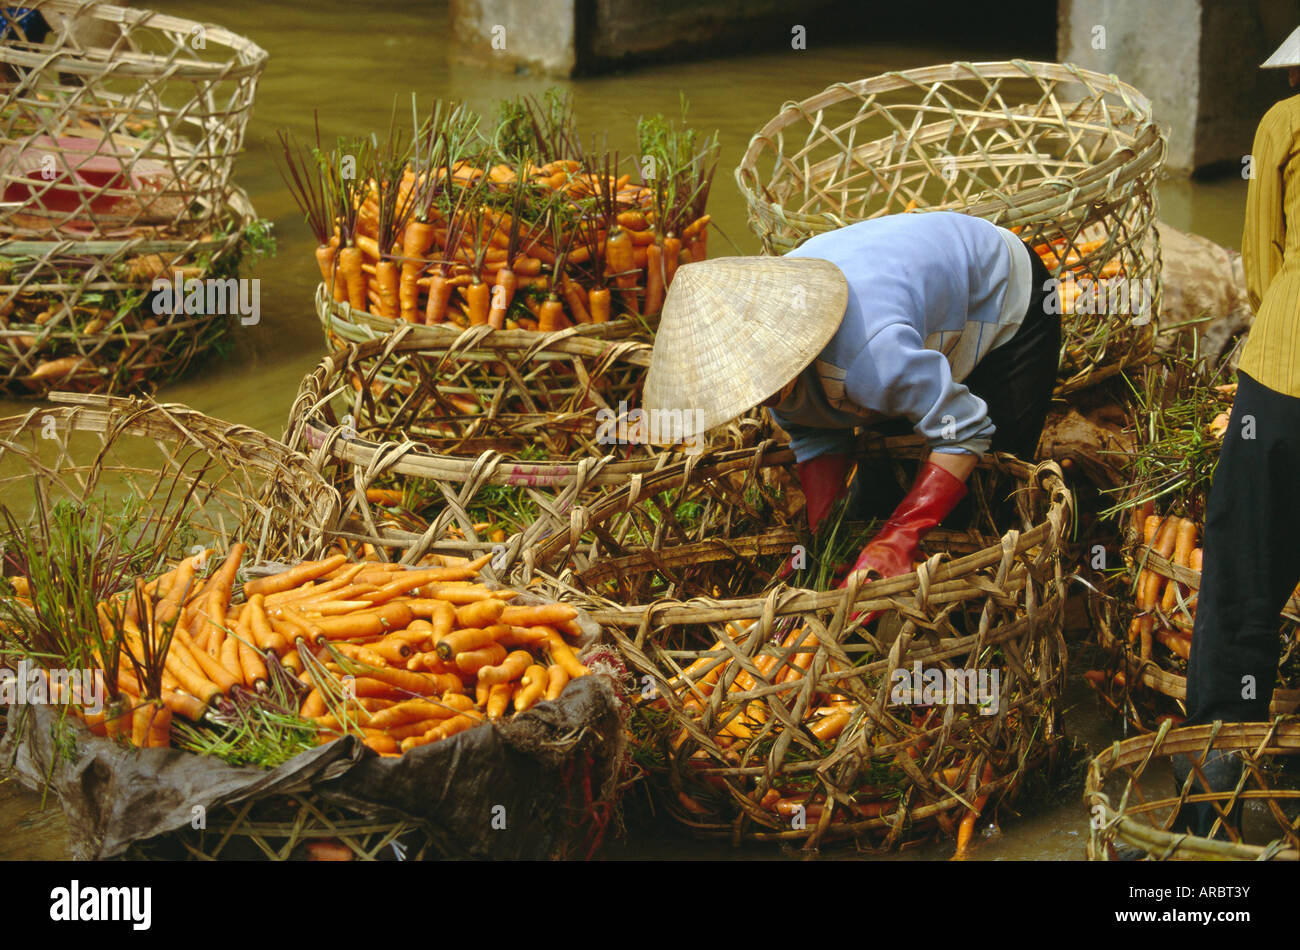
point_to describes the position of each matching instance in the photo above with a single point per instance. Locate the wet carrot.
(369, 623)
(498, 699)
(557, 677)
(294, 577)
(380, 742)
(469, 638)
(599, 301)
(511, 668)
(542, 614)
(261, 630)
(141, 718)
(423, 683)
(212, 669)
(532, 687)
(251, 665)
(831, 725)
(470, 662)
(654, 282)
(967, 827)
(416, 710)
(563, 654)
(483, 613)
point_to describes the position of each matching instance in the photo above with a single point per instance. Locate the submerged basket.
(80, 314)
(1132, 798)
(343, 325)
(1066, 157)
(232, 483)
(441, 438)
(118, 120)
(1147, 692)
(682, 568)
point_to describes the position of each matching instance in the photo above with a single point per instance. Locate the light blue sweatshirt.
(929, 296)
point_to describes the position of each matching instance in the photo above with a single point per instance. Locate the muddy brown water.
(328, 56)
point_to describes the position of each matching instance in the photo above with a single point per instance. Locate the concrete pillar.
(1198, 61)
(517, 35)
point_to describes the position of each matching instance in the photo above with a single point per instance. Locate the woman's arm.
(957, 464)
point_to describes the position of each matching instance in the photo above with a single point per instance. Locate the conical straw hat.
(1288, 54)
(734, 330)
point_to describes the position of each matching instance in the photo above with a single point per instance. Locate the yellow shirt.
(1270, 251)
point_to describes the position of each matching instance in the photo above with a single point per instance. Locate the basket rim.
(787, 601)
(128, 64)
(147, 418)
(1280, 736)
(339, 316)
(1144, 154)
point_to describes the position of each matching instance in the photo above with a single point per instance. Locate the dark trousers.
(1251, 559)
(1015, 380)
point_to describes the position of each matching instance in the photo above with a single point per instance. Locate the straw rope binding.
(1066, 157)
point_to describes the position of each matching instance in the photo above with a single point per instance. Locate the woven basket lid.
(1288, 54)
(734, 330)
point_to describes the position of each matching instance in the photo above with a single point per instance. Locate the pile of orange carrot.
(447, 225)
(1166, 609)
(438, 657)
(474, 264)
(399, 657)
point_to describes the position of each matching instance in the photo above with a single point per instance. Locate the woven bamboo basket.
(690, 574)
(1067, 157)
(119, 119)
(283, 828)
(1133, 800)
(232, 483)
(1147, 692)
(381, 417)
(343, 326)
(80, 314)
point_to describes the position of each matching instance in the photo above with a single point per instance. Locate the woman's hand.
(940, 485)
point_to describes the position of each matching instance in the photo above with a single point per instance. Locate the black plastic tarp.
(533, 786)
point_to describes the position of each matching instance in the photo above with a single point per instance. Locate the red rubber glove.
(896, 547)
(823, 480)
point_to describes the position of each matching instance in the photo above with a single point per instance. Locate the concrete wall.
(572, 37)
(1198, 61)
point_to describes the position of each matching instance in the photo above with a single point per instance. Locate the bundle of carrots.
(453, 227)
(827, 716)
(397, 657)
(1166, 609)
